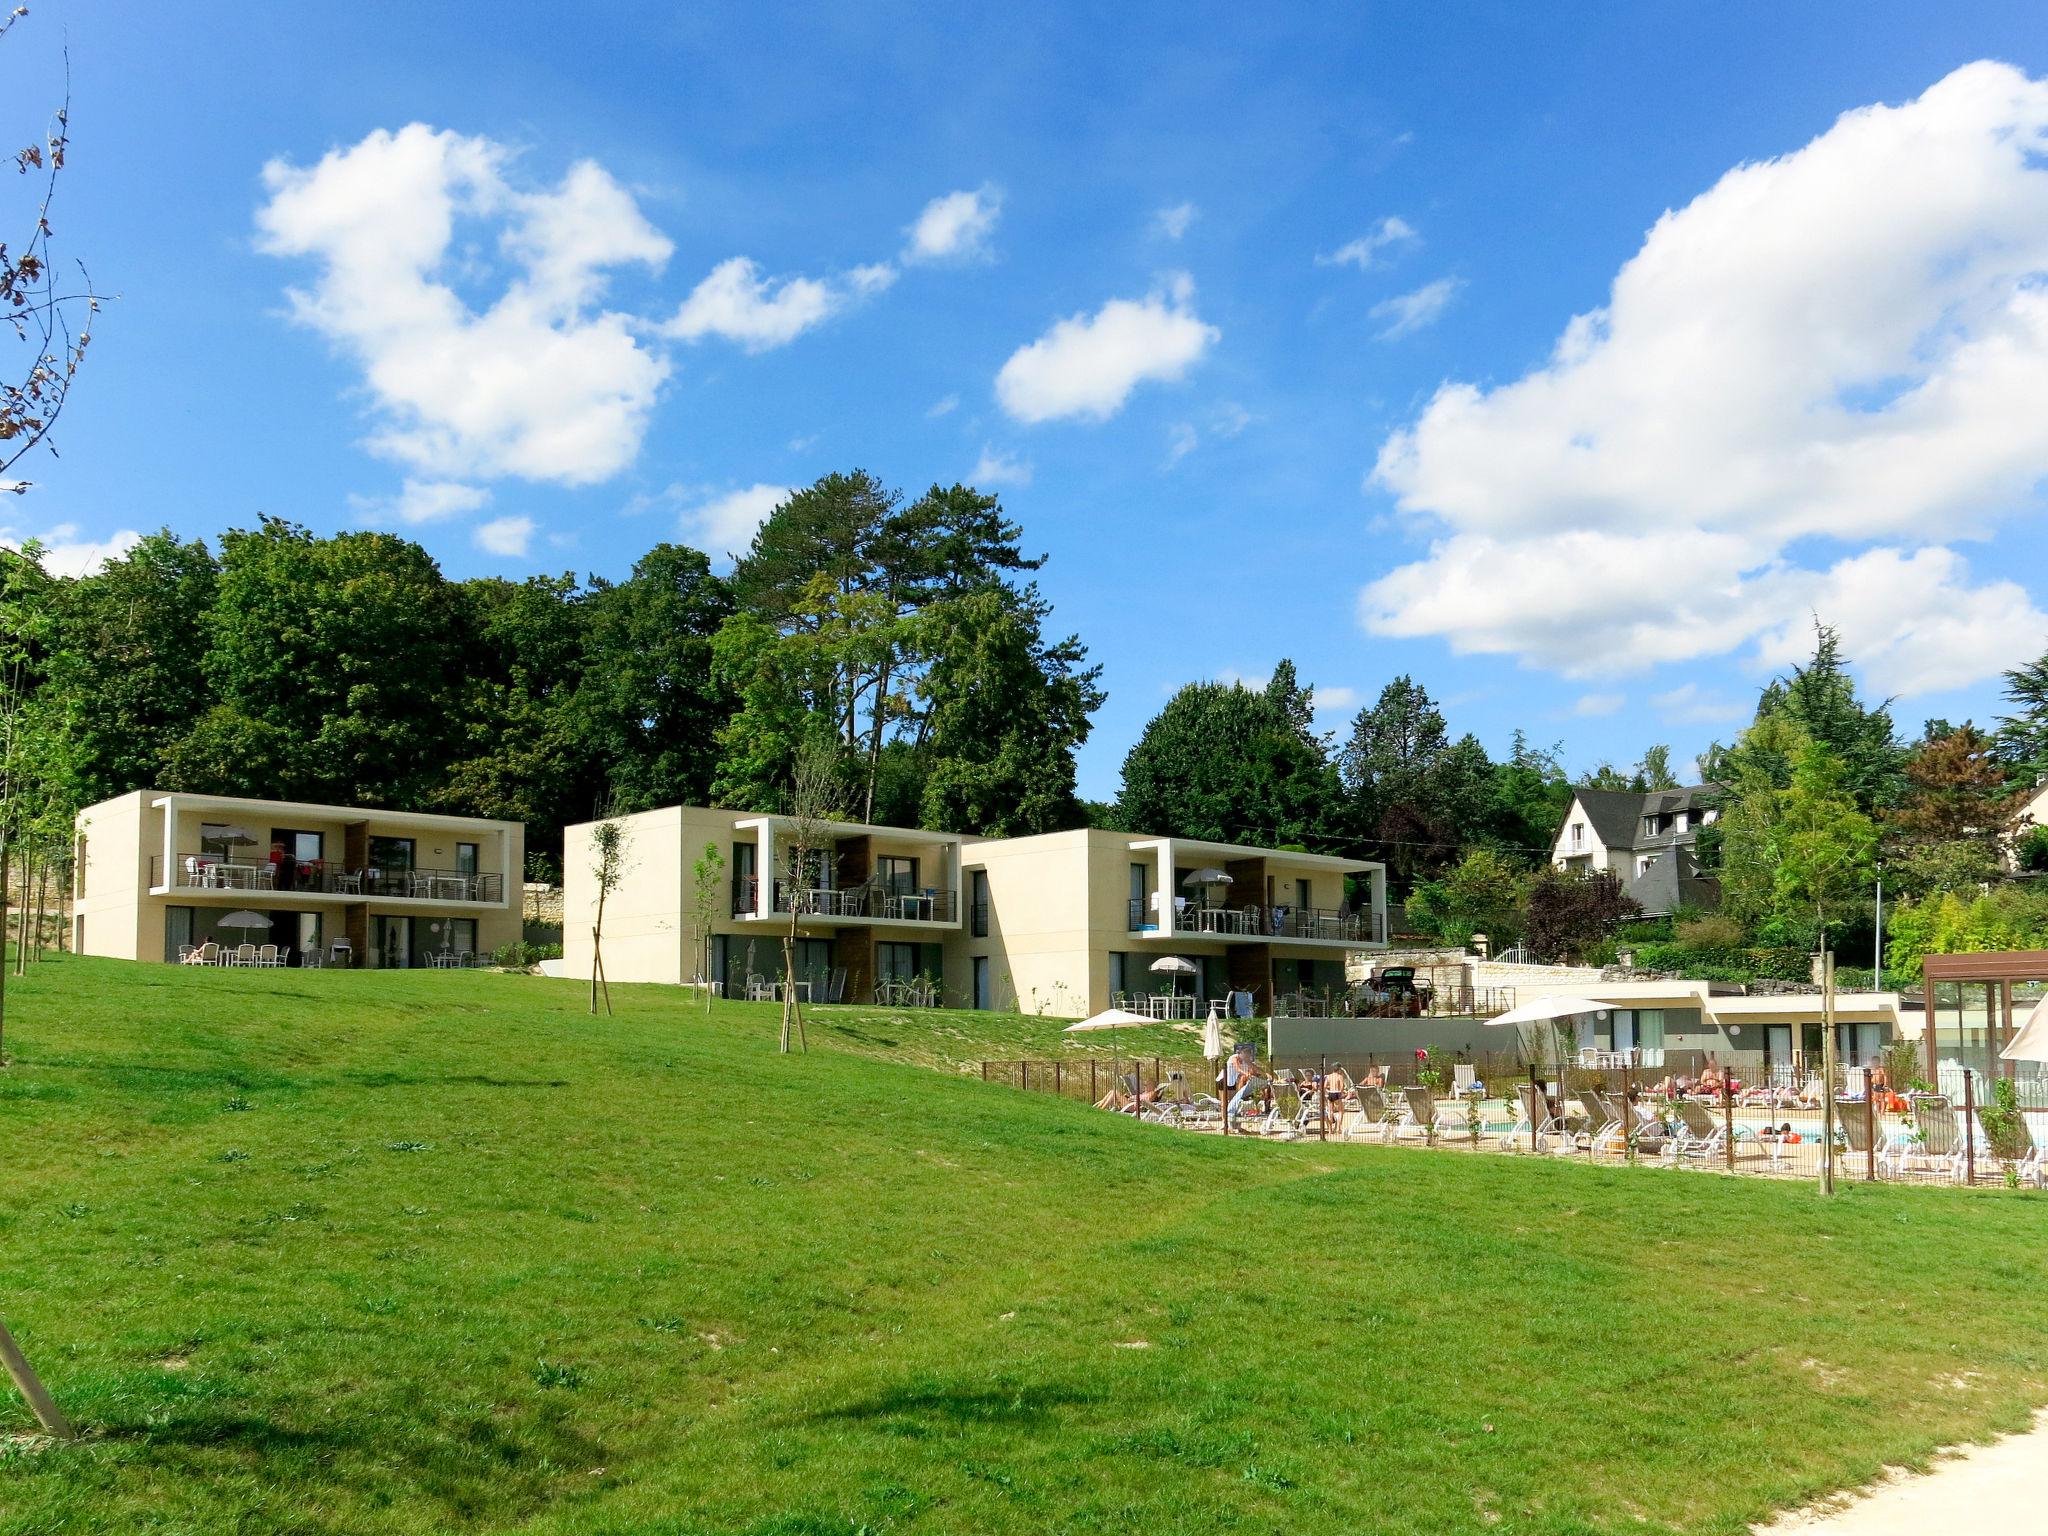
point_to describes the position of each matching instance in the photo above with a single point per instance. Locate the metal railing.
(923, 905)
(1345, 925)
(327, 879)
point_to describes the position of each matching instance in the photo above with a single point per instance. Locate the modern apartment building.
(1062, 923)
(158, 873)
(873, 903)
(1067, 923)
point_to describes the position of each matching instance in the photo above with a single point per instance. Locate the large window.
(897, 876)
(983, 997)
(465, 858)
(391, 855)
(978, 887)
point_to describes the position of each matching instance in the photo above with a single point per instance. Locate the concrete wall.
(1053, 912)
(646, 931)
(112, 878)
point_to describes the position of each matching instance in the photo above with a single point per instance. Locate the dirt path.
(2001, 1487)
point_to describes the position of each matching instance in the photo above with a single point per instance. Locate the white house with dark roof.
(1646, 839)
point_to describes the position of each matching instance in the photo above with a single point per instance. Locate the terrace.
(229, 877)
(1220, 890)
(860, 875)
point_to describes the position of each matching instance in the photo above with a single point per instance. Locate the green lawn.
(327, 1252)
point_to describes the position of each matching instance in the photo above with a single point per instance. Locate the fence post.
(1156, 1078)
(1969, 1126)
(1535, 1104)
(1059, 1078)
(1323, 1101)
(1869, 1130)
(1093, 1096)
(1728, 1121)
(984, 1071)
(1024, 1076)
(1628, 1114)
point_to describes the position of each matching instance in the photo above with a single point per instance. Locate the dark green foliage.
(1571, 911)
(1230, 764)
(1416, 798)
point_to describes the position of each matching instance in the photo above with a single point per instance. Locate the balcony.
(1329, 924)
(860, 903)
(323, 879)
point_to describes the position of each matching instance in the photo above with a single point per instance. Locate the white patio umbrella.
(1110, 1019)
(244, 920)
(1176, 967)
(1207, 877)
(1212, 1037)
(2031, 1043)
(1548, 1010)
(231, 835)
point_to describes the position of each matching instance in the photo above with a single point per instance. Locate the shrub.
(522, 956)
(1711, 931)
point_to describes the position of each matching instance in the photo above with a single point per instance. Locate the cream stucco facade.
(875, 903)
(1059, 924)
(157, 871)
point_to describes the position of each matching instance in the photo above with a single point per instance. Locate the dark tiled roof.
(1617, 814)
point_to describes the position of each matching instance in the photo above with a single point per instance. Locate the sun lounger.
(1939, 1150)
(1432, 1119)
(1702, 1134)
(1535, 1127)
(1370, 1114)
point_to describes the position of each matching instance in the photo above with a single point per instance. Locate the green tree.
(1006, 712)
(649, 703)
(1756, 772)
(1527, 800)
(1948, 831)
(1416, 798)
(1821, 699)
(1822, 849)
(126, 661)
(1655, 769)
(337, 665)
(1225, 763)
(2023, 734)
(1484, 892)
(525, 751)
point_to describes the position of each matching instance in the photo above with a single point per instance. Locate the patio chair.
(309, 958)
(185, 953)
(209, 954)
(1463, 1076)
(835, 985)
(1370, 1112)
(1535, 1126)
(246, 955)
(1603, 1127)
(1425, 1114)
(266, 957)
(1702, 1134)
(1940, 1147)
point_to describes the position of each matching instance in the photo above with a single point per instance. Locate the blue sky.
(1255, 320)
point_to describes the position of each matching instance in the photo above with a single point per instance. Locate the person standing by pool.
(1239, 1073)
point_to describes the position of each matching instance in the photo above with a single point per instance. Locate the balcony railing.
(325, 879)
(1256, 922)
(859, 901)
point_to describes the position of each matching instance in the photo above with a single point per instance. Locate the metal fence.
(1623, 1114)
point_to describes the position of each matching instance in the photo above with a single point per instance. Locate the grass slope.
(323, 1252)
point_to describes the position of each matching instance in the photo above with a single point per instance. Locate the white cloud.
(507, 536)
(1391, 231)
(944, 407)
(421, 501)
(1336, 697)
(723, 525)
(540, 384)
(739, 305)
(1589, 705)
(998, 468)
(1181, 440)
(1087, 365)
(1689, 704)
(1229, 419)
(65, 553)
(1833, 356)
(955, 227)
(1406, 313)
(1172, 223)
